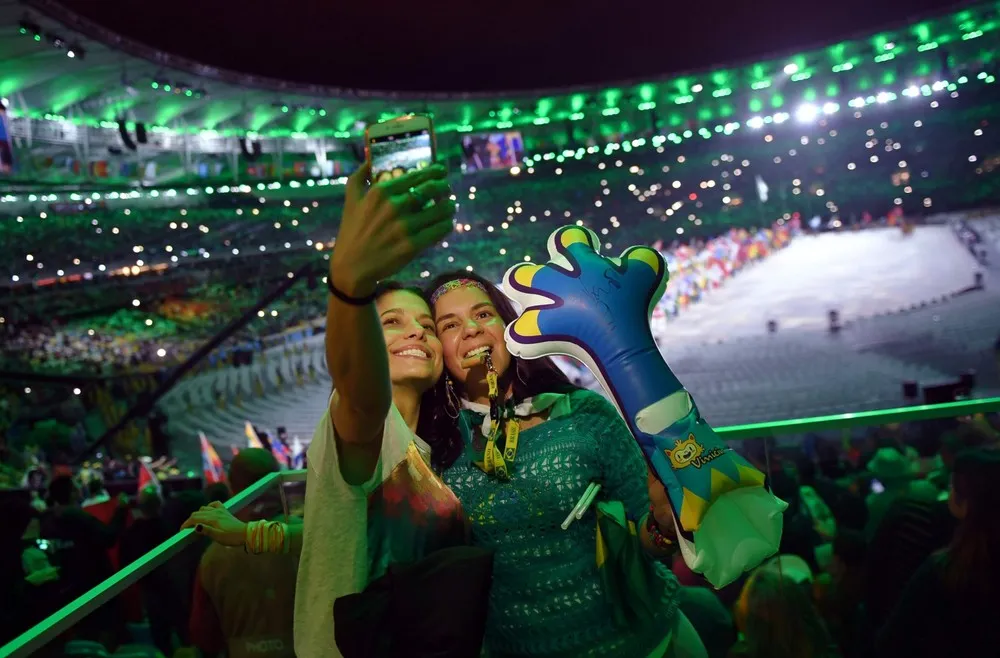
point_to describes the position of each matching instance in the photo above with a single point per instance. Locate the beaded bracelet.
(660, 540)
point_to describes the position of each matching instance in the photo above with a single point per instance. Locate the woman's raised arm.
(382, 229)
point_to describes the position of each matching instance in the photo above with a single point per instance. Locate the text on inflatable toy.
(688, 452)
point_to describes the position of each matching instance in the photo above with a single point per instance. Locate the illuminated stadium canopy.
(72, 77)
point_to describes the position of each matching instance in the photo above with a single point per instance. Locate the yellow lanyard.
(495, 461)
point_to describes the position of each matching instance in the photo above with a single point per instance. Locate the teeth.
(412, 352)
(477, 351)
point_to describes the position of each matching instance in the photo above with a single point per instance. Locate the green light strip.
(47, 630)
(861, 419)
(858, 102)
(50, 628)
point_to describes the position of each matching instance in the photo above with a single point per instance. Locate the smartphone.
(877, 487)
(399, 145)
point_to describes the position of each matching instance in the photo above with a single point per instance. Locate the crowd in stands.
(677, 191)
(887, 551)
(122, 325)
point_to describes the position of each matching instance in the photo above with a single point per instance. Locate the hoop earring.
(451, 403)
(517, 370)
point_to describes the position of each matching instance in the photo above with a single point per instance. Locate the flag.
(211, 465)
(147, 478)
(762, 189)
(253, 441)
(298, 454)
(281, 452)
(627, 578)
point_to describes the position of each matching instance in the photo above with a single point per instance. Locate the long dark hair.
(435, 425)
(528, 376)
(779, 620)
(969, 561)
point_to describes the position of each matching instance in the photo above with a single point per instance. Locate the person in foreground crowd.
(84, 542)
(949, 607)
(777, 619)
(548, 598)
(894, 471)
(161, 597)
(368, 471)
(242, 603)
(27, 577)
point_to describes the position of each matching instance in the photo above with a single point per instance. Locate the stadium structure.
(830, 219)
(150, 201)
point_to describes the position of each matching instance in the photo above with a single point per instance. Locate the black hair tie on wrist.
(347, 299)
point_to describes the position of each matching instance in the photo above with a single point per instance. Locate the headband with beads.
(455, 284)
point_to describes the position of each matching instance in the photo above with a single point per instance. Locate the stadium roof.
(60, 66)
(455, 45)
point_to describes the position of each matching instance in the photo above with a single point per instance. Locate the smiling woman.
(414, 349)
(537, 443)
(372, 498)
(471, 299)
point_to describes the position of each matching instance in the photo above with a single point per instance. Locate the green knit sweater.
(547, 599)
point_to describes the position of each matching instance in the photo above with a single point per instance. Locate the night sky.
(447, 45)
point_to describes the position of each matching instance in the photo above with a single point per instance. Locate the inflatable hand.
(597, 310)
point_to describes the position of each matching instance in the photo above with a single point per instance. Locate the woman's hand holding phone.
(384, 227)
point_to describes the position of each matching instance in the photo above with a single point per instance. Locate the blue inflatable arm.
(597, 310)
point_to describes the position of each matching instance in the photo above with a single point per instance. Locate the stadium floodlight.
(755, 122)
(781, 117)
(806, 113)
(791, 68)
(831, 107)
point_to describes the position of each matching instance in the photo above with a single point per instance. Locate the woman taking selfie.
(548, 597)
(372, 499)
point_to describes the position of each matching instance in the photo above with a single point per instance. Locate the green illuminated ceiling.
(40, 81)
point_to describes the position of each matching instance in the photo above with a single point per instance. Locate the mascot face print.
(684, 452)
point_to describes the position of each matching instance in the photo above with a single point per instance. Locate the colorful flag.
(211, 465)
(147, 478)
(253, 441)
(281, 452)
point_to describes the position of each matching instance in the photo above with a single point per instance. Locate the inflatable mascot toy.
(597, 310)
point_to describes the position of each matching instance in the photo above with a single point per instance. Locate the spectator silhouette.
(161, 597)
(26, 575)
(778, 620)
(82, 543)
(950, 605)
(896, 474)
(243, 603)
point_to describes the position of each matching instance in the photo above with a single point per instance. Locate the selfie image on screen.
(493, 151)
(394, 155)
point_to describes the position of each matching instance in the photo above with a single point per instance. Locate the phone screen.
(394, 155)
(877, 487)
